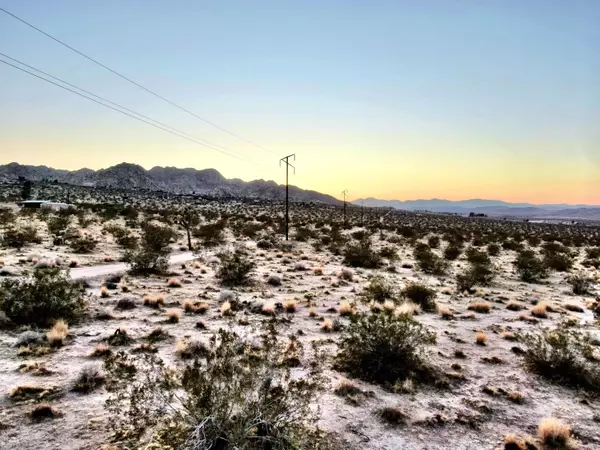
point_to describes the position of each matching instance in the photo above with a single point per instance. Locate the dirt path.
(111, 269)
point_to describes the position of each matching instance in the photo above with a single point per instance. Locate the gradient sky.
(395, 99)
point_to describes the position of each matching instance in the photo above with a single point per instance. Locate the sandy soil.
(464, 417)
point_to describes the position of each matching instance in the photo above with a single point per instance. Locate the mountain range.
(168, 179)
(492, 208)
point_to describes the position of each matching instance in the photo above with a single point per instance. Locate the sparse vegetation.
(46, 296)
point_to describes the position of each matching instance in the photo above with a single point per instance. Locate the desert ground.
(407, 331)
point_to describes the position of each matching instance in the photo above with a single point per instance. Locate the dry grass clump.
(226, 309)
(327, 326)
(407, 308)
(554, 433)
(392, 415)
(88, 379)
(312, 312)
(191, 349)
(36, 368)
(509, 336)
(268, 308)
(389, 306)
(515, 397)
(481, 338)
(154, 302)
(173, 315)
(290, 306)
(201, 307)
(375, 306)
(480, 307)
(174, 282)
(445, 312)
(104, 292)
(44, 411)
(125, 304)
(189, 307)
(540, 310)
(514, 442)
(573, 307)
(515, 306)
(100, 351)
(58, 333)
(318, 271)
(274, 280)
(346, 308)
(346, 274)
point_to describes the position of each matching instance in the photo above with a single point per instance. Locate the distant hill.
(169, 179)
(493, 208)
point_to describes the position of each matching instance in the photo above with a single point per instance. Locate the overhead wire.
(208, 143)
(134, 82)
(125, 112)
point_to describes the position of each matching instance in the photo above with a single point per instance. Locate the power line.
(122, 112)
(208, 143)
(133, 82)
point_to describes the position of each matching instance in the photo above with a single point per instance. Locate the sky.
(454, 99)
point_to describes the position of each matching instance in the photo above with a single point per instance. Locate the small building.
(39, 204)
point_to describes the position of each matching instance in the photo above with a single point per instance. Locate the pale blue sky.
(395, 99)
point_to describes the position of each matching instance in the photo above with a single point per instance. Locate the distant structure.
(477, 215)
(44, 204)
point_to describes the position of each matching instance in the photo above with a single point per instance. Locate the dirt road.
(111, 269)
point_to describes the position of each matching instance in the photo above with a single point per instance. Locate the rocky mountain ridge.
(169, 179)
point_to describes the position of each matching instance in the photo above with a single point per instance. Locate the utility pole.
(345, 193)
(362, 213)
(286, 159)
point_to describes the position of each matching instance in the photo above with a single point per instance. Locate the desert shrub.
(127, 240)
(235, 268)
(512, 245)
(157, 237)
(493, 249)
(379, 290)
(389, 251)
(433, 241)
(593, 252)
(239, 397)
(428, 261)
(421, 295)
(152, 256)
(89, 378)
(146, 262)
(58, 224)
(303, 234)
(475, 256)
(361, 254)
(534, 241)
(580, 283)
(529, 267)
(475, 274)
(452, 252)
(211, 234)
(562, 356)
(83, 245)
(20, 237)
(561, 262)
(385, 349)
(46, 296)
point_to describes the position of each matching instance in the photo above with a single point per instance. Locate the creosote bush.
(562, 356)
(428, 261)
(43, 298)
(235, 268)
(386, 349)
(362, 254)
(152, 256)
(238, 396)
(529, 267)
(421, 295)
